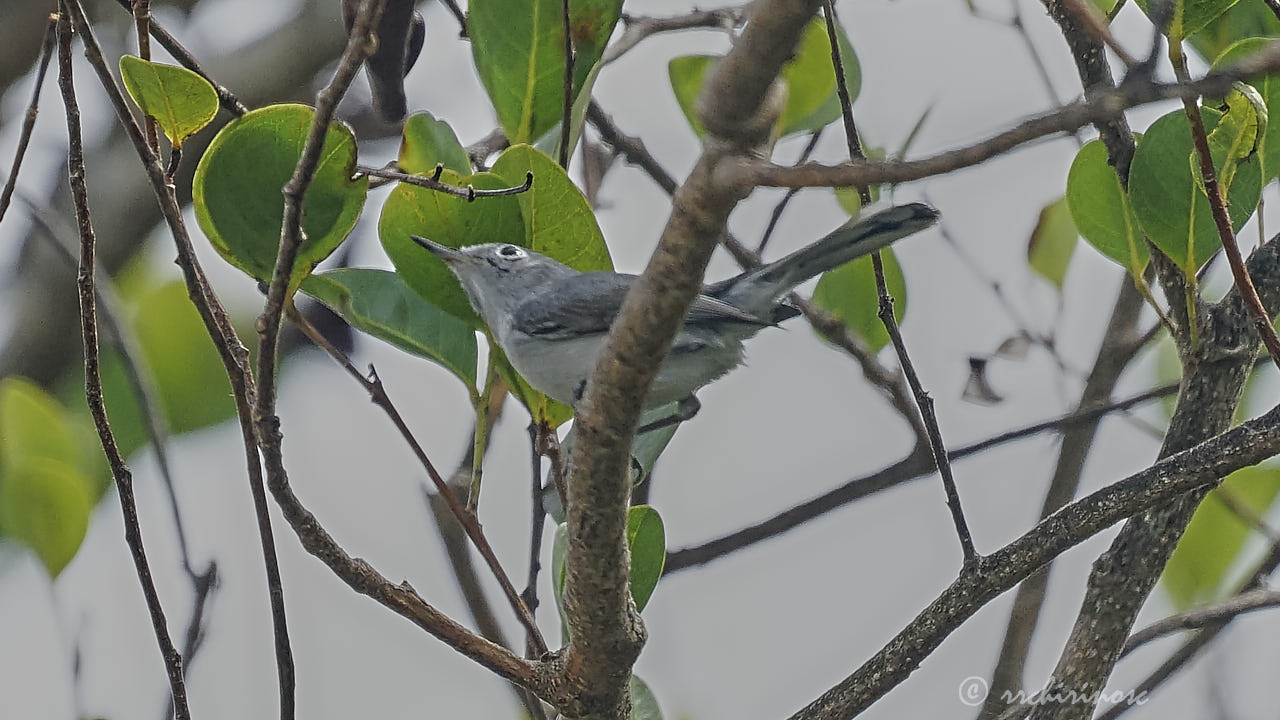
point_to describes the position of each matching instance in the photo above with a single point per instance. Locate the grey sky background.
(754, 635)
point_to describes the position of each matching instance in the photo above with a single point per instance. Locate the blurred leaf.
(181, 101)
(427, 141)
(1053, 241)
(1190, 16)
(560, 548)
(648, 544)
(687, 74)
(1101, 211)
(849, 293)
(186, 369)
(558, 221)
(45, 503)
(33, 426)
(379, 303)
(237, 187)
(847, 197)
(644, 704)
(1245, 19)
(812, 98)
(645, 449)
(519, 54)
(1269, 87)
(451, 221)
(1173, 212)
(1197, 570)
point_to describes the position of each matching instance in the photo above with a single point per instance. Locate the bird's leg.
(686, 409)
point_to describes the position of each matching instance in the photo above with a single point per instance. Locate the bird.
(551, 320)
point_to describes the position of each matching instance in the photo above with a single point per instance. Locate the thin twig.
(226, 98)
(433, 183)
(230, 350)
(29, 120)
(93, 375)
(781, 207)
(461, 17)
(566, 110)
(1217, 204)
(923, 401)
(142, 22)
(1192, 619)
(638, 27)
(470, 523)
(916, 465)
(536, 524)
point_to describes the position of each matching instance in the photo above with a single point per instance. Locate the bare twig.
(142, 21)
(1095, 23)
(537, 521)
(1192, 619)
(470, 523)
(916, 465)
(923, 401)
(456, 12)
(93, 376)
(566, 111)
(433, 183)
(29, 120)
(781, 207)
(639, 27)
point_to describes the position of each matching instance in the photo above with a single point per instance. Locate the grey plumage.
(551, 320)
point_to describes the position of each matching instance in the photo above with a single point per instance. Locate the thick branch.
(605, 630)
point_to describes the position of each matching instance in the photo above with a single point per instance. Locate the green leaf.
(1101, 210)
(45, 504)
(1052, 243)
(451, 221)
(380, 304)
(687, 74)
(557, 218)
(1172, 210)
(237, 190)
(1197, 570)
(645, 449)
(1245, 19)
(648, 544)
(812, 98)
(194, 391)
(644, 704)
(426, 142)
(1190, 16)
(1243, 123)
(559, 549)
(849, 293)
(181, 101)
(1269, 87)
(33, 426)
(519, 54)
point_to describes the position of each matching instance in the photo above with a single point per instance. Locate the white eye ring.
(510, 252)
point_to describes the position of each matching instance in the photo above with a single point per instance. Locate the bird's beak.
(447, 254)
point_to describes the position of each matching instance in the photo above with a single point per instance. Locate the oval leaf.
(812, 100)
(1101, 210)
(1189, 16)
(1269, 88)
(1172, 210)
(647, 541)
(519, 54)
(451, 221)
(557, 218)
(428, 141)
(1052, 243)
(686, 74)
(644, 704)
(181, 101)
(46, 504)
(849, 293)
(379, 303)
(33, 426)
(237, 187)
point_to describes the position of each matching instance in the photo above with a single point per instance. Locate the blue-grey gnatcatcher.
(552, 320)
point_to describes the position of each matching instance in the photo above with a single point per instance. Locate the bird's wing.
(588, 303)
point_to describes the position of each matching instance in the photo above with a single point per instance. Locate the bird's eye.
(510, 252)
